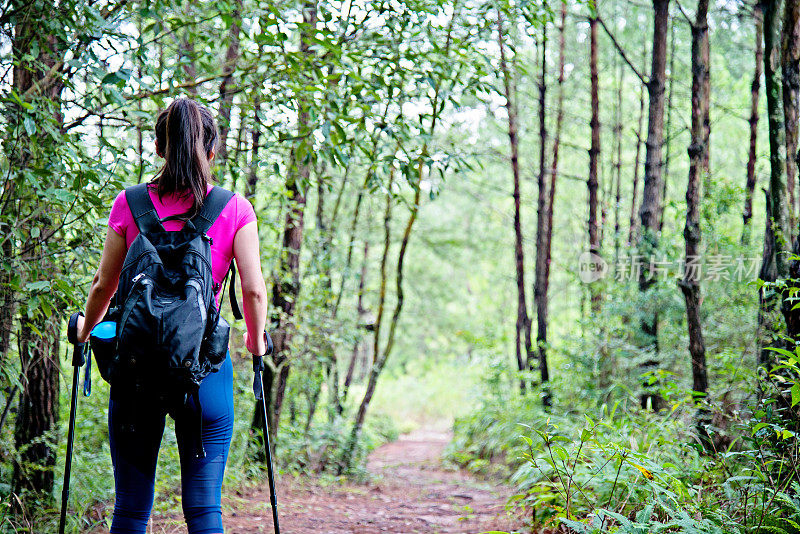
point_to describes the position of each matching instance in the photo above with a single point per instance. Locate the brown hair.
(186, 134)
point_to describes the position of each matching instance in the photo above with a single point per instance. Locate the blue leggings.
(135, 454)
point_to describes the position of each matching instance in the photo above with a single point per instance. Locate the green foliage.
(617, 469)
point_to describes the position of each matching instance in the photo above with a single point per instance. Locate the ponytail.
(186, 134)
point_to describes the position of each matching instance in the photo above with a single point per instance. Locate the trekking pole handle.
(258, 367)
(268, 343)
(72, 336)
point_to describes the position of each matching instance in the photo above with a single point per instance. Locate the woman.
(186, 137)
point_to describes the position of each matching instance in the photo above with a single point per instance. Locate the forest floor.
(409, 491)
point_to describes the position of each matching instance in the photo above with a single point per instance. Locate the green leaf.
(30, 125)
(795, 393)
(38, 286)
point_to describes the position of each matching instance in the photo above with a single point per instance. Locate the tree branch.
(622, 52)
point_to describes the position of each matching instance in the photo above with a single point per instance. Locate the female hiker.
(186, 137)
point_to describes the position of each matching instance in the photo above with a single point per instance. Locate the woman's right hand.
(257, 346)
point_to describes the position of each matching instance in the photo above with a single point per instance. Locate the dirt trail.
(410, 493)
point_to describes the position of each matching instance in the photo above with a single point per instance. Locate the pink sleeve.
(120, 216)
(244, 211)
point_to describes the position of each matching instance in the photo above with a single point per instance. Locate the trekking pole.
(77, 363)
(260, 394)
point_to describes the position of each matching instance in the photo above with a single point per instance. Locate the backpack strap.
(237, 312)
(215, 202)
(142, 209)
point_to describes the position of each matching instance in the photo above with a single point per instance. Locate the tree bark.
(522, 327)
(541, 232)
(361, 312)
(650, 210)
(255, 144)
(750, 186)
(618, 162)
(594, 156)
(790, 69)
(634, 223)
(774, 264)
(690, 284)
(777, 139)
(543, 272)
(668, 129)
(36, 422)
(768, 335)
(37, 418)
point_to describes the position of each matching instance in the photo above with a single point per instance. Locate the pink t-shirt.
(236, 214)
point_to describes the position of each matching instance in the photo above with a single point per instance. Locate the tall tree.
(594, 156)
(668, 127)
(777, 138)
(34, 77)
(286, 286)
(634, 222)
(541, 226)
(790, 69)
(747, 213)
(775, 263)
(690, 284)
(544, 249)
(650, 210)
(522, 326)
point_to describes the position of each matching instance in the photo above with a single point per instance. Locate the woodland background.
(429, 177)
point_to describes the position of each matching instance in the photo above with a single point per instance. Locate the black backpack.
(169, 334)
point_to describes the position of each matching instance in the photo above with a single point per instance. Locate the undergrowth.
(616, 468)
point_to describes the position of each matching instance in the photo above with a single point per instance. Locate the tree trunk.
(750, 186)
(382, 357)
(618, 162)
(7, 302)
(522, 325)
(668, 129)
(790, 68)
(634, 223)
(775, 266)
(690, 284)
(255, 140)
(37, 418)
(35, 435)
(541, 232)
(226, 89)
(361, 312)
(323, 261)
(286, 287)
(347, 454)
(543, 269)
(768, 333)
(650, 210)
(790, 59)
(594, 156)
(777, 139)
